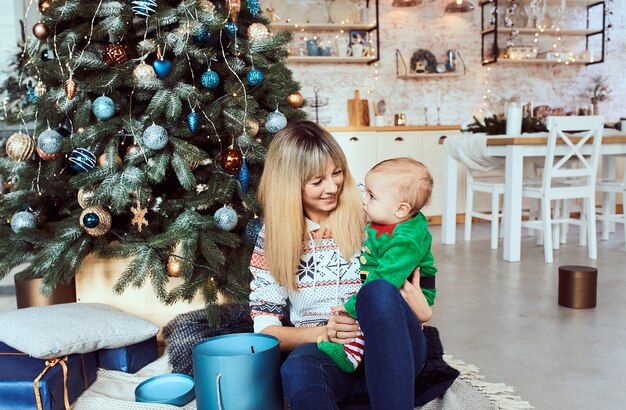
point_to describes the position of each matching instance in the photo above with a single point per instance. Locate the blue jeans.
(395, 352)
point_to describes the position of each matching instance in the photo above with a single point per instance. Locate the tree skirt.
(116, 391)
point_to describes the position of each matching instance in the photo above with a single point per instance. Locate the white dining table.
(514, 149)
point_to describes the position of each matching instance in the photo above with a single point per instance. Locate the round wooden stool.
(578, 286)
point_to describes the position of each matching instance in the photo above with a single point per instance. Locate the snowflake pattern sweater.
(325, 279)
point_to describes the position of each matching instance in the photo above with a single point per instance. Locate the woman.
(306, 259)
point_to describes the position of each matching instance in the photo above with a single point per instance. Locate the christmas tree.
(152, 119)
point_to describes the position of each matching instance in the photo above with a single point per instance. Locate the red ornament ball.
(231, 160)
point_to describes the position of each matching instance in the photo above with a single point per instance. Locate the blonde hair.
(297, 153)
(411, 179)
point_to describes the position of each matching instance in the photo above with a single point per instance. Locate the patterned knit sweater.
(325, 279)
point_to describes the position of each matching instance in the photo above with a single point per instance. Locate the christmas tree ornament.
(40, 89)
(132, 150)
(234, 7)
(50, 141)
(231, 160)
(41, 31)
(22, 221)
(210, 79)
(82, 160)
(144, 72)
(252, 127)
(202, 36)
(231, 28)
(103, 108)
(47, 157)
(155, 137)
(254, 77)
(244, 140)
(44, 5)
(192, 121)
(174, 261)
(253, 228)
(206, 5)
(84, 197)
(254, 7)
(96, 220)
(144, 8)
(257, 31)
(162, 66)
(275, 121)
(225, 218)
(114, 53)
(295, 100)
(139, 216)
(20, 147)
(244, 175)
(103, 160)
(30, 94)
(70, 87)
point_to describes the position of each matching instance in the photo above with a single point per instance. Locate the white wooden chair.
(608, 216)
(489, 184)
(561, 182)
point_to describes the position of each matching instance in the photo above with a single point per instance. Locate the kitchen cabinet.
(365, 148)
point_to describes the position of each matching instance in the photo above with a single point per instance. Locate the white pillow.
(51, 331)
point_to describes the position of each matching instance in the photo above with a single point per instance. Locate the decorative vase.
(27, 293)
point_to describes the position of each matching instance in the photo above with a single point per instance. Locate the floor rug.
(115, 391)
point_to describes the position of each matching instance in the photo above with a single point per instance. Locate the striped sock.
(354, 351)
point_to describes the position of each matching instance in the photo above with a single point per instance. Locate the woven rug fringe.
(498, 393)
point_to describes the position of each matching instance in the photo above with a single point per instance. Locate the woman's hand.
(341, 327)
(412, 293)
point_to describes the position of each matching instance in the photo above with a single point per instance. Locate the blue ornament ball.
(192, 121)
(210, 79)
(202, 36)
(225, 218)
(275, 121)
(103, 108)
(23, 220)
(254, 7)
(155, 137)
(253, 228)
(82, 160)
(91, 220)
(50, 141)
(255, 76)
(30, 95)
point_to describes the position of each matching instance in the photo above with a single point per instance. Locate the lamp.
(459, 6)
(404, 3)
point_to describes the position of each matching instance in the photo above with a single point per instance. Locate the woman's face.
(320, 193)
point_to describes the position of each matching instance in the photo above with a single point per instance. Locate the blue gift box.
(27, 383)
(129, 359)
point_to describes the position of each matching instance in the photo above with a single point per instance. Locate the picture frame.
(360, 37)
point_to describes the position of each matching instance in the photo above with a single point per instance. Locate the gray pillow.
(51, 331)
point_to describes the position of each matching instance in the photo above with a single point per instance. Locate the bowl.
(172, 388)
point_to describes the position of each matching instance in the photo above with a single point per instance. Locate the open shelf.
(405, 72)
(546, 31)
(320, 27)
(538, 61)
(330, 59)
(429, 75)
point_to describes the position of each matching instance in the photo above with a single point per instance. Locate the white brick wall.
(427, 26)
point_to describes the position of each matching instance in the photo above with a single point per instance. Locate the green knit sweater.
(392, 252)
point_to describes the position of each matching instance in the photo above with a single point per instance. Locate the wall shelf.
(404, 72)
(330, 59)
(490, 31)
(321, 27)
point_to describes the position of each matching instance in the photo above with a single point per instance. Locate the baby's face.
(381, 200)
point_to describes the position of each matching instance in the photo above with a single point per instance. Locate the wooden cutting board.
(358, 111)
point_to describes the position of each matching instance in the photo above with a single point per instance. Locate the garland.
(497, 126)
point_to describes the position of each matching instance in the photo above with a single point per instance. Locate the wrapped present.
(129, 359)
(29, 383)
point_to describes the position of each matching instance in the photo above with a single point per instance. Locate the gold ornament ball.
(174, 264)
(102, 160)
(252, 126)
(206, 5)
(132, 150)
(70, 87)
(114, 54)
(84, 197)
(231, 160)
(295, 100)
(41, 31)
(257, 31)
(20, 147)
(40, 89)
(105, 220)
(144, 72)
(45, 156)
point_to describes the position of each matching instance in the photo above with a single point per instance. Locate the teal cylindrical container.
(239, 371)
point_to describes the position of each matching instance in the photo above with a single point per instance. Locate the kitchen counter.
(397, 128)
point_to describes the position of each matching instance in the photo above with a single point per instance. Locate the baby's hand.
(339, 310)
